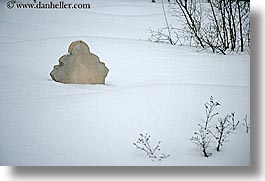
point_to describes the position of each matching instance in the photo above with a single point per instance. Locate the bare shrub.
(222, 131)
(246, 124)
(202, 139)
(153, 152)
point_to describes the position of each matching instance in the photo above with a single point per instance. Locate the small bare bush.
(233, 122)
(153, 152)
(246, 124)
(222, 131)
(202, 139)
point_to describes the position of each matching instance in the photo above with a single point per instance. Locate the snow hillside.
(151, 88)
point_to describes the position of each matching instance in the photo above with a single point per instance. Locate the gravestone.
(79, 66)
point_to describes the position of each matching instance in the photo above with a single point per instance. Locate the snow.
(151, 88)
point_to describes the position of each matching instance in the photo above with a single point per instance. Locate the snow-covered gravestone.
(79, 66)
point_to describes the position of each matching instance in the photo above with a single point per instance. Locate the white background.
(255, 172)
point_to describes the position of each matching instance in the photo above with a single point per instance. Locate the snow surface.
(151, 88)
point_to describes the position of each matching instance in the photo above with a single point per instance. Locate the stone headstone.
(79, 66)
